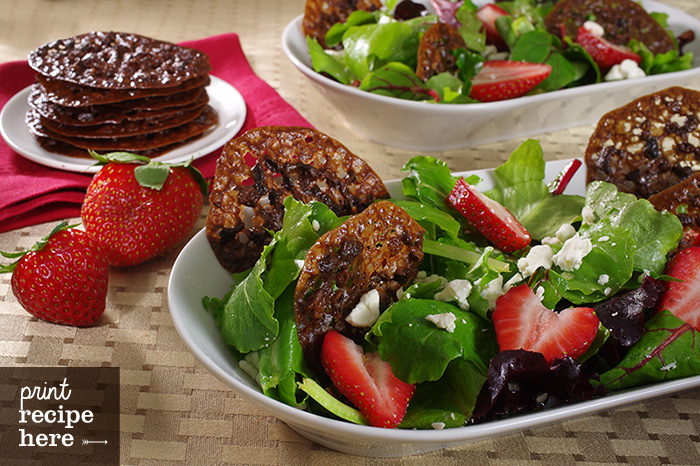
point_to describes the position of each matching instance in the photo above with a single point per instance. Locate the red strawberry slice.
(523, 322)
(493, 220)
(488, 14)
(365, 380)
(505, 79)
(682, 298)
(605, 53)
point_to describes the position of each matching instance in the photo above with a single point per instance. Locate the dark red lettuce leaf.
(522, 381)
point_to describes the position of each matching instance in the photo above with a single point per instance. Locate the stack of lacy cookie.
(112, 91)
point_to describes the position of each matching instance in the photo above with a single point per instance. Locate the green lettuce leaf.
(419, 351)
(520, 187)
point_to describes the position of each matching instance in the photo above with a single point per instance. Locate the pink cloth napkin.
(31, 193)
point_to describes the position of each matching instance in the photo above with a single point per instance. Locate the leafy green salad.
(460, 376)
(378, 52)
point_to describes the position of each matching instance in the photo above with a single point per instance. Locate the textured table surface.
(176, 413)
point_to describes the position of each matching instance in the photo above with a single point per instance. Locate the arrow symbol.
(87, 442)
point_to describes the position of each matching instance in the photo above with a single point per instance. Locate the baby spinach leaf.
(331, 65)
(420, 351)
(668, 350)
(520, 187)
(395, 79)
(655, 233)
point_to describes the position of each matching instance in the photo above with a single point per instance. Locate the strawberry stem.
(332, 404)
(36, 247)
(558, 186)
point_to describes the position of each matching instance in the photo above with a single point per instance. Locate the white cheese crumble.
(438, 425)
(492, 291)
(539, 292)
(571, 255)
(588, 215)
(366, 312)
(315, 225)
(594, 28)
(456, 290)
(603, 279)
(627, 69)
(539, 256)
(445, 321)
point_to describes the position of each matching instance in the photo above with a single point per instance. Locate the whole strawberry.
(137, 209)
(61, 279)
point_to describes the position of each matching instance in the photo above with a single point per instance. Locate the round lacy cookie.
(377, 249)
(320, 15)
(118, 60)
(258, 169)
(649, 144)
(683, 200)
(622, 20)
(435, 50)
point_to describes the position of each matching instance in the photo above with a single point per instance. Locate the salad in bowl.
(466, 52)
(441, 307)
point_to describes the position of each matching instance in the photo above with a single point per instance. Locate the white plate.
(223, 98)
(196, 273)
(431, 127)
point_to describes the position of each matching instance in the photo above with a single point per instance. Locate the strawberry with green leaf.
(62, 278)
(138, 209)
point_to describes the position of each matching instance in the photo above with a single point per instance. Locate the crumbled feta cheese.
(603, 279)
(628, 69)
(668, 367)
(607, 291)
(492, 291)
(456, 290)
(565, 232)
(550, 241)
(595, 28)
(513, 280)
(444, 321)
(539, 256)
(315, 225)
(366, 312)
(603, 239)
(571, 255)
(438, 425)
(588, 215)
(539, 292)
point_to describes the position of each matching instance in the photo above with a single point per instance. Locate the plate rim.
(222, 132)
(438, 438)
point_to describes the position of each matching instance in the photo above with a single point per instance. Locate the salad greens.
(460, 375)
(377, 52)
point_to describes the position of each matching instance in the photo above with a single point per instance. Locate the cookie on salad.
(378, 249)
(435, 50)
(622, 21)
(649, 144)
(320, 15)
(259, 169)
(683, 200)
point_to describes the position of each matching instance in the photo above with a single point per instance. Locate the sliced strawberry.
(492, 220)
(488, 14)
(682, 298)
(523, 322)
(505, 79)
(365, 380)
(605, 53)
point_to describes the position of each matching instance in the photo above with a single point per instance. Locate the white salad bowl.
(432, 127)
(197, 273)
